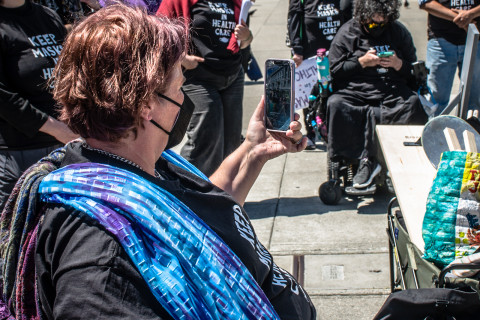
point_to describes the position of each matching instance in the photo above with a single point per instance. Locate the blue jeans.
(216, 126)
(443, 60)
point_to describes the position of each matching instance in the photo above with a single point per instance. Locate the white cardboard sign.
(305, 77)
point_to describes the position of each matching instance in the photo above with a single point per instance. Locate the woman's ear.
(146, 112)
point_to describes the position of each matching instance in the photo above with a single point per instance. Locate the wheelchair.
(340, 171)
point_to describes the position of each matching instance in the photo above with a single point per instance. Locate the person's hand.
(242, 32)
(463, 18)
(369, 59)
(58, 130)
(191, 62)
(298, 59)
(391, 62)
(267, 145)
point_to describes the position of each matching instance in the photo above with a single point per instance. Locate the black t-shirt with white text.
(441, 28)
(212, 26)
(31, 38)
(313, 24)
(84, 273)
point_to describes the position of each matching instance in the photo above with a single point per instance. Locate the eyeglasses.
(374, 25)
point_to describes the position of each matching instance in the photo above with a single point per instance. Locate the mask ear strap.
(159, 127)
(171, 100)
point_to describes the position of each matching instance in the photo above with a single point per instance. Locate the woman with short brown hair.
(124, 229)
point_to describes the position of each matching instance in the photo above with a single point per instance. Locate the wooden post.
(452, 140)
(469, 140)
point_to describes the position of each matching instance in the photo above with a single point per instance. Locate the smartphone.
(385, 54)
(279, 94)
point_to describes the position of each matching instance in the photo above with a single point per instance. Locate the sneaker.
(310, 144)
(367, 170)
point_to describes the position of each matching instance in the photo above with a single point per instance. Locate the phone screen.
(278, 94)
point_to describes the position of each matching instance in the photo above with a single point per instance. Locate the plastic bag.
(451, 228)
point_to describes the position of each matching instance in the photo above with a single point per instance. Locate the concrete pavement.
(344, 247)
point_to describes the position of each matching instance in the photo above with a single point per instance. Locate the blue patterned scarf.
(188, 268)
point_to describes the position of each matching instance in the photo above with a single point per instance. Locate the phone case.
(291, 66)
(385, 54)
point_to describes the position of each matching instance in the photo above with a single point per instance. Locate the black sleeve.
(84, 273)
(343, 63)
(15, 109)
(407, 54)
(295, 22)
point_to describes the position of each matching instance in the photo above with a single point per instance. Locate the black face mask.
(179, 129)
(376, 32)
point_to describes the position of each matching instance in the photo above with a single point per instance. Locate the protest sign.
(305, 77)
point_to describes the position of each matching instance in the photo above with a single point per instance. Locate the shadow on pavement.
(294, 207)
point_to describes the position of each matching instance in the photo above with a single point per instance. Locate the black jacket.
(352, 42)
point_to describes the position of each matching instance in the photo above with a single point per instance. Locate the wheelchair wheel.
(330, 192)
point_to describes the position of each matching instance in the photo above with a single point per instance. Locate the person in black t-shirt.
(132, 237)
(447, 33)
(31, 38)
(312, 25)
(214, 77)
(369, 89)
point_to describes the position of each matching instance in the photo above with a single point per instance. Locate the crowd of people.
(100, 95)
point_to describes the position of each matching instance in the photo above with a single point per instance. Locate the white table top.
(411, 172)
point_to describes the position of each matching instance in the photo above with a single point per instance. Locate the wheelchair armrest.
(457, 266)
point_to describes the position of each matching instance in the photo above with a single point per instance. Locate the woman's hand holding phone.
(270, 144)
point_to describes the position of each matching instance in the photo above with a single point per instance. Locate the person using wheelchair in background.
(371, 67)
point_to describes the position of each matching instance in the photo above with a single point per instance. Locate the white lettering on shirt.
(280, 277)
(223, 28)
(45, 45)
(330, 27)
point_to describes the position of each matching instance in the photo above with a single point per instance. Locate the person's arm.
(238, 172)
(59, 130)
(180, 9)
(343, 64)
(191, 62)
(409, 54)
(25, 117)
(295, 18)
(465, 17)
(435, 8)
(402, 60)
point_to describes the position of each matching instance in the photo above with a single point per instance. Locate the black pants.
(13, 163)
(215, 129)
(352, 116)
